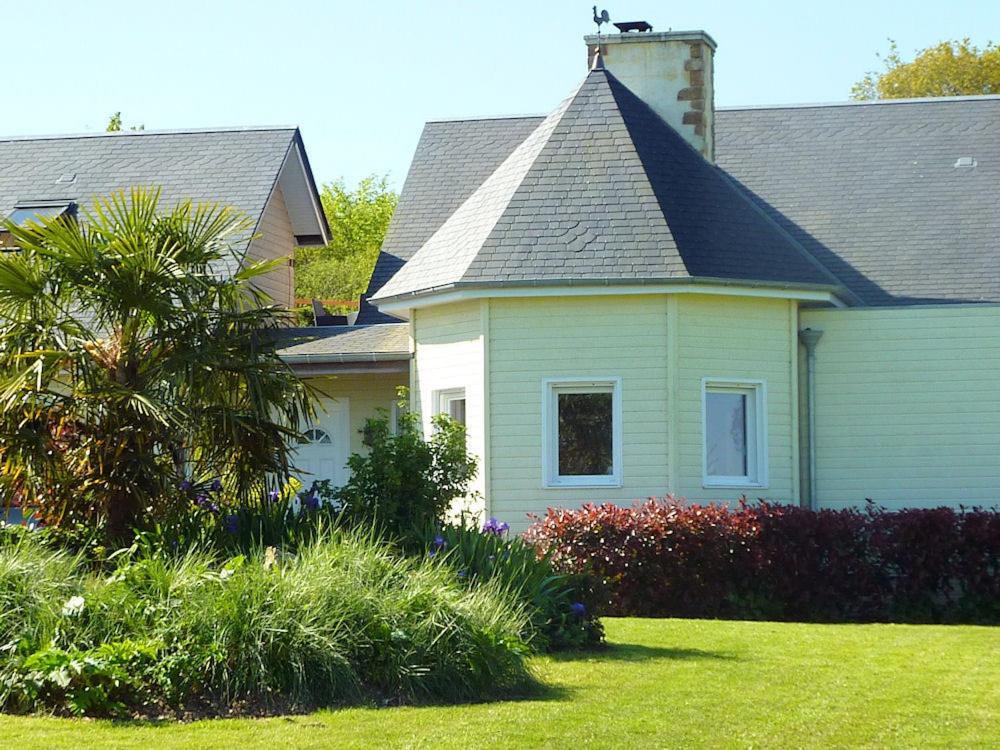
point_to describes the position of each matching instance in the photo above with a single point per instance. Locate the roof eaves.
(861, 103)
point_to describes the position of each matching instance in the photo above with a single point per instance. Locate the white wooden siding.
(908, 405)
(449, 354)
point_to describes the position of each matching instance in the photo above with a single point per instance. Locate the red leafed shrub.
(669, 557)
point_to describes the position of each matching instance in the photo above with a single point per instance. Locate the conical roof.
(605, 191)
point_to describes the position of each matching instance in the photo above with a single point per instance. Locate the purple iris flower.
(312, 502)
(232, 523)
(273, 496)
(440, 542)
(185, 486)
(578, 609)
(496, 526)
(216, 485)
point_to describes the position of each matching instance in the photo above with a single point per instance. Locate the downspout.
(809, 338)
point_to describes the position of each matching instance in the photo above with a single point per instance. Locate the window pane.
(585, 434)
(726, 434)
(456, 410)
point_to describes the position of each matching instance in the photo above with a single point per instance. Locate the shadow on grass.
(638, 652)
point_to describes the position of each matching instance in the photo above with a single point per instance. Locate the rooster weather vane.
(600, 19)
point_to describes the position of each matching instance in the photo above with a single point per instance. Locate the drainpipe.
(809, 338)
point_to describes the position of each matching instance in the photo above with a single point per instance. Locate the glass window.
(452, 403)
(583, 433)
(735, 435)
(36, 213)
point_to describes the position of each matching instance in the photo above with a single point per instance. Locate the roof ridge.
(864, 103)
(164, 131)
(478, 118)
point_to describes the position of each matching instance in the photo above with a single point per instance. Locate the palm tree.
(135, 355)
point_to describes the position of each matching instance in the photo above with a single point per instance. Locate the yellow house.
(640, 294)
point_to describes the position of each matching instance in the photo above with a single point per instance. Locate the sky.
(361, 78)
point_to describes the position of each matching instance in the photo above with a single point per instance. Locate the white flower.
(73, 606)
(226, 574)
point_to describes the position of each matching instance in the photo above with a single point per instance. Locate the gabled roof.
(869, 189)
(604, 190)
(238, 168)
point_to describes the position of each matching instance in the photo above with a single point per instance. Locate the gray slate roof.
(605, 190)
(237, 168)
(357, 343)
(872, 191)
(452, 159)
(868, 189)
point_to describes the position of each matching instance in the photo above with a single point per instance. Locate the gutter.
(809, 338)
(333, 359)
(395, 299)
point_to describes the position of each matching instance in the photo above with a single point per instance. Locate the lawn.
(663, 683)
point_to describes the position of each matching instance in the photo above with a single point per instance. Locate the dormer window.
(36, 211)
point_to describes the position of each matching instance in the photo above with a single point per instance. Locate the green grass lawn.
(663, 683)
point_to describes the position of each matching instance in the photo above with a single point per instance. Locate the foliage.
(342, 620)
(358, 220)
(405, 483)
(951, 68)
(559, 619)
(115, 124)
(131, 359)
(782, 562)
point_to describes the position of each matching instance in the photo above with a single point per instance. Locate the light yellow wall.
(535, 339)
(275, 240)
(908, 405)
(449, 353)
(365, 393)
(733, 337)
(661, 347)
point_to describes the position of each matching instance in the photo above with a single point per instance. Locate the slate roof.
(237, 167)
(868, 189)
(452, 159)
(604, 190)
(872, 191)
(357, 343)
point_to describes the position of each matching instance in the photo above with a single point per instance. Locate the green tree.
(115, 124)
(358, 219)
(954, 68)
(130, 362)
(404, 484)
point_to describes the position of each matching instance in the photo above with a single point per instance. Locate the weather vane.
(600, 19)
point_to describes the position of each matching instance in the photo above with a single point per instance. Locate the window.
(315, 436)
(36, 212)
(452, 403)
(734, 419)
(582, 440)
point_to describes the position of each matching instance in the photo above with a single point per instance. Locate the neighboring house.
(640, 294)
(263, 172)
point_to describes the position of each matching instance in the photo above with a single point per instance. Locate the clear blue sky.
(361, 78)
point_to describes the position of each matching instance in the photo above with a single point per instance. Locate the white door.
(323, 454)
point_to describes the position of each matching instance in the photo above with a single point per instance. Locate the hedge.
(769, 561)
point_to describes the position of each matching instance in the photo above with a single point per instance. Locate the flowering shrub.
(672, 558)
(558, 619)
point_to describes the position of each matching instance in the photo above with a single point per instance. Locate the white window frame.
(551, 388)
(444, 397)
(757, 448)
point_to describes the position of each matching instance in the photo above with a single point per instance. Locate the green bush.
(559, 618)
(405, 483)
(343, 620)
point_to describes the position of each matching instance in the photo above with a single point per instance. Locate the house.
(262, 172)
(641, 293)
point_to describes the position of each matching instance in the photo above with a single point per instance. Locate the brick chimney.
(672, 71)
